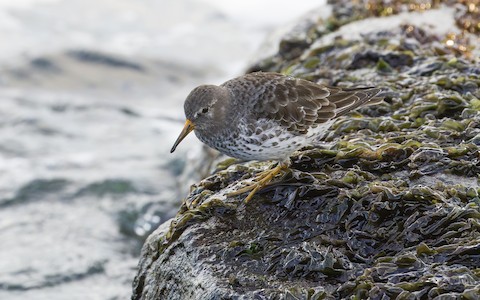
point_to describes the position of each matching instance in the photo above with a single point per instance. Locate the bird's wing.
(300, 104)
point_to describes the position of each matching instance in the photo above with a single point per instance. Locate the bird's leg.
(260, 181)
(264, 173)
(262, 178)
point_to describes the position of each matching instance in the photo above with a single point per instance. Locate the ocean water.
(91, 96)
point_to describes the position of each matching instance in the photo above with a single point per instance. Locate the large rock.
(390, 209)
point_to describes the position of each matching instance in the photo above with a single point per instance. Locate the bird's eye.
(205, 110)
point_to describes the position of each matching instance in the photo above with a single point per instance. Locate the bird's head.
(205, 109)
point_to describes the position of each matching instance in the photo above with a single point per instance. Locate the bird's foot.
(261, 180)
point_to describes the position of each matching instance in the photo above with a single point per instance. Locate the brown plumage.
(297, 104)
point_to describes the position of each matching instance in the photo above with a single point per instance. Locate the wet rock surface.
(389, 209)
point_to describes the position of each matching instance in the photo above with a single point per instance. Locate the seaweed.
(390, 209)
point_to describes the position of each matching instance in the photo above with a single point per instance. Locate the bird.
(267, 116)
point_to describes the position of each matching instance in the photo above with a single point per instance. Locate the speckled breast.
(260, 140)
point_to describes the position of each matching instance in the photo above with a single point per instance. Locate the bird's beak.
(189, 126)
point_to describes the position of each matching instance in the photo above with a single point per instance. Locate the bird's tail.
(350, 99)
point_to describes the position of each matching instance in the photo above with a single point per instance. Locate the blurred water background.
(91, 100)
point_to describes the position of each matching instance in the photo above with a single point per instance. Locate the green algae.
(312, 63)
(383, 66)
(225, 164)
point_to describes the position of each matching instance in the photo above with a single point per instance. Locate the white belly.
(269, 143)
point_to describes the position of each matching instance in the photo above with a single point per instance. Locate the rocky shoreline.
(388, 209)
